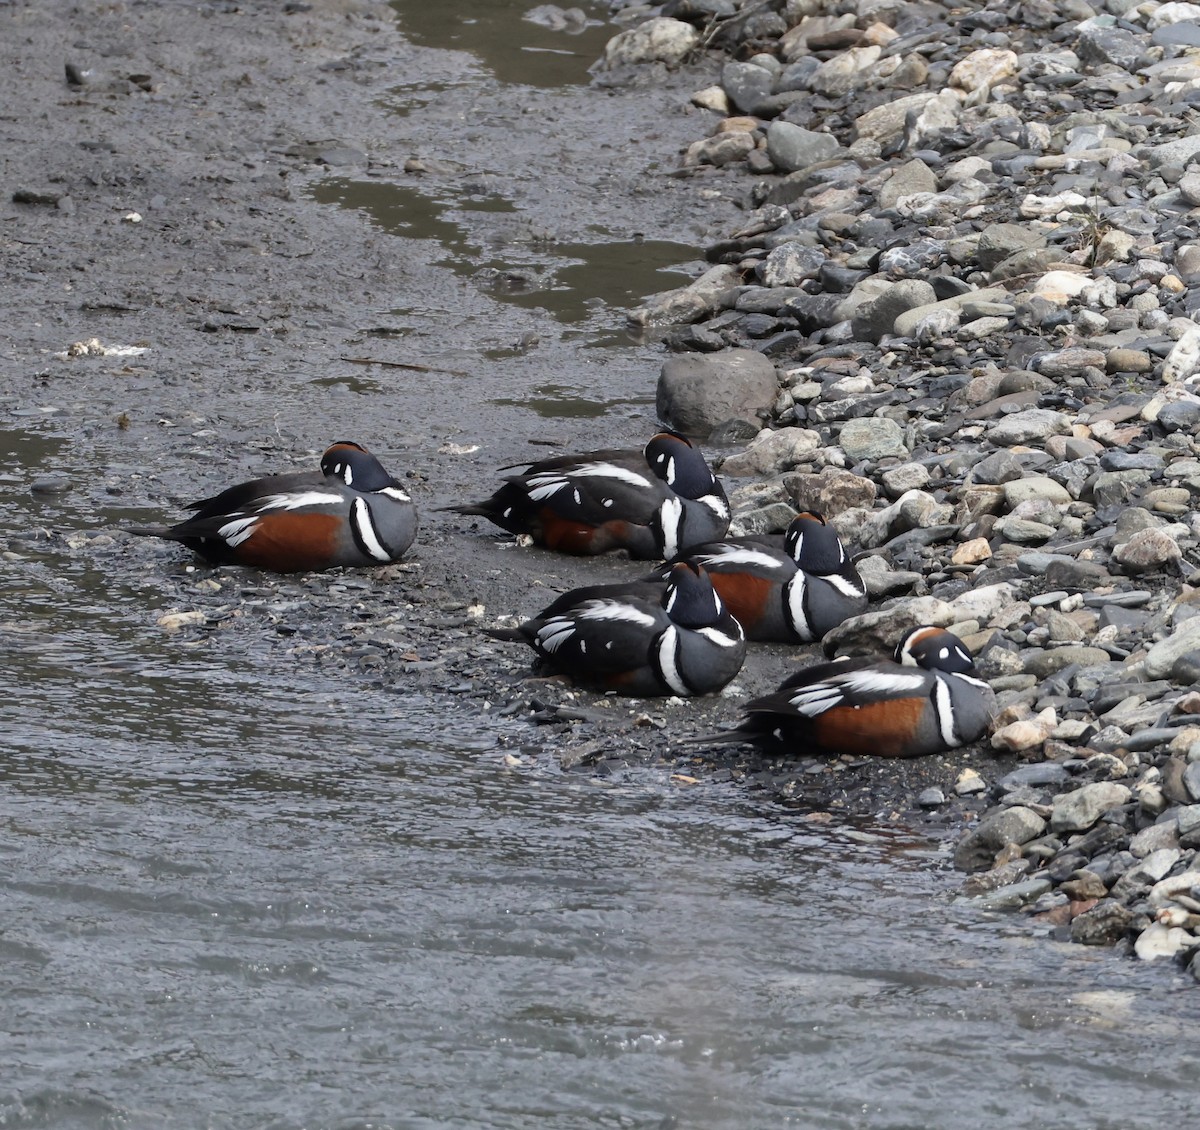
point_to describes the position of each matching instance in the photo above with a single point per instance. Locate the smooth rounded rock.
(1077, 811)
(696, 392)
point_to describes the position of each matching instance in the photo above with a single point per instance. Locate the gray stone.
(908, 476)
(995, 469)
(771, 519)
(1191, 779)
(1180, 416)
(658, 40)
(1025, 531)
(1180, 152)
(791, 147)
(910, 178)
(746, 84)
(875, 319)
(689, 303)
(790, 264)
(721, 149)
(1185, 33)
(696, 392)
(1015, 825)
(1147, 550)
(1077, 811)
(1099, 44)
(906, 323)
(1035, 487)
(1104, 924)
(773, 452)
(1046, 663)
(872, 437)
(1117, 488)
(1019, 428)
(1137, 881)
(876, 632)
(998, 241)
(1012, 896)
(1041, 774)
(913, 260)
(845, 71)
(831, 492)
(1162, 656)
(1069, 362)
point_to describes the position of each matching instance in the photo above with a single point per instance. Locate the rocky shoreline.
(1016, 464)
(972, 260)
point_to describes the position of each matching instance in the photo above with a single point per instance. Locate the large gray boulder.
(696, 392)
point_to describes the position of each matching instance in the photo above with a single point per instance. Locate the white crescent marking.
(362, 520)
(668, 662)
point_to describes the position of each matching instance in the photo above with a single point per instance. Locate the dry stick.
(402, 365)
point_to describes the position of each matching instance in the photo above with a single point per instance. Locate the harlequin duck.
(351, 512)
(654, 503)
(639, 638)
(925, 701)
(789, 589)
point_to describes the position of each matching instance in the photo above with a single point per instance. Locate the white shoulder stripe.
(884, 682)
(606, 609)
(843, 585)
(740, 555)
(611, 471)
(298, 500)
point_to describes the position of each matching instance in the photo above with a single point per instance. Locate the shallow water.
(240, 891)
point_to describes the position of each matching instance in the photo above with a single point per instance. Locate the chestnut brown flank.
(291, 542)
(745, 595)
(880, 728)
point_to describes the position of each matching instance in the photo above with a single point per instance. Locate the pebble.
(968, 269)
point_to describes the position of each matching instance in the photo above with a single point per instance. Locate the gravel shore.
(971, 255)
(955, 314)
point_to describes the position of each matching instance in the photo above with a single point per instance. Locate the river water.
(241, 893)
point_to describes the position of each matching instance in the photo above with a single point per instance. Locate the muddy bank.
(166, 202)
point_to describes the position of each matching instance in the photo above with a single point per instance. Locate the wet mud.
(302, 227)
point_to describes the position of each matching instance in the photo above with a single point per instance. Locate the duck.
(349, 513)
(926, 699)
(639, 638)
(653, 503)
(789, 589)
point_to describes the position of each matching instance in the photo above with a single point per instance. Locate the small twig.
(402, 365)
